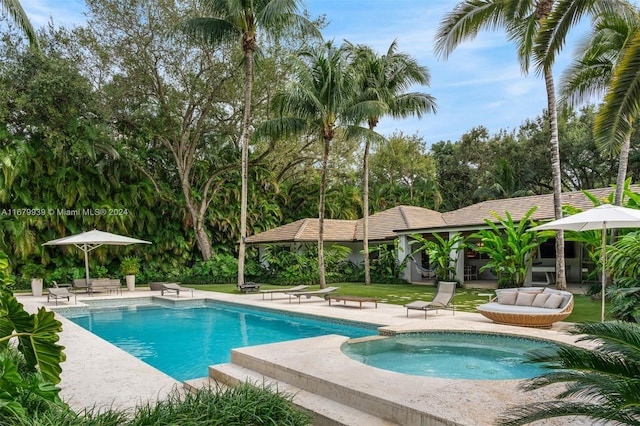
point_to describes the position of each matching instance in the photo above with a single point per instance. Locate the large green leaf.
(43, 345)
(37, 336)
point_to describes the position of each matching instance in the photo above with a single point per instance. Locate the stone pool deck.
(98, 375)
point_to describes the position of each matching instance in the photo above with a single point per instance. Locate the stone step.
(336, 387)
(326, 412)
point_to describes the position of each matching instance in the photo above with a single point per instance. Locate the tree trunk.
(197, 212)
(622, 175)
(202, 238)
(561, 279)
(244, 140)
(365, 215)
(321, 208)
(622, 170)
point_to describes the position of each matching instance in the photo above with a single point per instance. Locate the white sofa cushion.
(525, 299)
(554, 301)
(565, 294)
(507, 297)
(540, 300)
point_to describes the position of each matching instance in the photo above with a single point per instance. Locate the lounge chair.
(323, 292)
(283, 290)
(442, 300)
(174, 288)
(56, 293)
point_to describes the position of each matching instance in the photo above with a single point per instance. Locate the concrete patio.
(98, 374)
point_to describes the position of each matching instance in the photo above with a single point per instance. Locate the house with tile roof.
(402, 221)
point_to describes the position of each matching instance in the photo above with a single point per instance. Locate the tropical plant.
(387, 78)
(130, 265)
(624, 295)
(35, 369)
(229, 19)
(442, 253)
(387, 267)
(601, 380)
(33, 270)
(592, 73)
(321, 103)
(287, 266)
(623, 255)
(510, 247)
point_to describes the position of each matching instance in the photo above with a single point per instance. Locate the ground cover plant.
(245, 404)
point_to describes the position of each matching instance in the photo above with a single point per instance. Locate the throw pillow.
(554, 301)
(525, 299)
(507, 297)
(540, 300)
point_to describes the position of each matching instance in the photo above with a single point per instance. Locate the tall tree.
(228, 20)
(387, 78)
(321, 104)
(14, 9)
(523, 21)
(592, 73)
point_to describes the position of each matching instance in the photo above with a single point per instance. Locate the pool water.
(456, 355)
(182, 342)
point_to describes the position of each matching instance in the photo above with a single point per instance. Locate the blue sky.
(479, 84)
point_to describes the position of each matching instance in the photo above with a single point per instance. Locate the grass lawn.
(584, 310)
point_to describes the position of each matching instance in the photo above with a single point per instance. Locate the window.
(547, 249)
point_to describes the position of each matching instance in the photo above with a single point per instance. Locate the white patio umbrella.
(91, 240)
(602, 217)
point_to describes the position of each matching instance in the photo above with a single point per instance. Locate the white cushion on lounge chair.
(322, 292)
(442, 299)
(59, 293)
(174, 288)
(283, 290)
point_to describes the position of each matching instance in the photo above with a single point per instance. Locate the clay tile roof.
(518, 207)
(305, 230)
(383, 225)
(403, 219)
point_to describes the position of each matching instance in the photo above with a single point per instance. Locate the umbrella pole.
(86, 263)
(604, 269)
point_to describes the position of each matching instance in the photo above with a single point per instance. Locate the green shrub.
(244, 404)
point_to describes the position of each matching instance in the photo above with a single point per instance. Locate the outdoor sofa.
(538, 307)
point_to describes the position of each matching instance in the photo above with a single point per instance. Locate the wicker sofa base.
(524, 317)
(527, 320)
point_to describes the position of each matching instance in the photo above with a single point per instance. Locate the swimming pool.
(454, 355)
(182, 340)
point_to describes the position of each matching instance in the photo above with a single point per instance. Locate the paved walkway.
(98, 374)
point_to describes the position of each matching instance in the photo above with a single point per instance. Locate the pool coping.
(99, 375)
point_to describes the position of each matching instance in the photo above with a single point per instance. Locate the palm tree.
(604, 61)
(539, 29)
(386, 78)
(228, 20)
(592, 73)
(14, 9)
(321, 104)
(601, 383)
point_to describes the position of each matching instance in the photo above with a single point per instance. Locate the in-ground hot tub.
(451, 354)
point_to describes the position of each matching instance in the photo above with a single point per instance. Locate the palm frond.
(614, 120)
(465, 21)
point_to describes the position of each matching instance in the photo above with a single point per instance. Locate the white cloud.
(62, 12)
